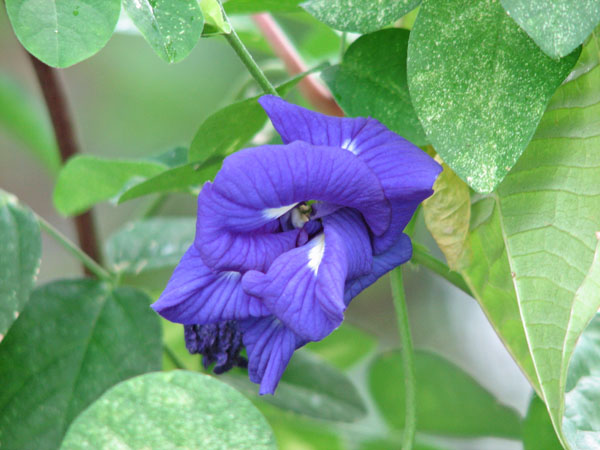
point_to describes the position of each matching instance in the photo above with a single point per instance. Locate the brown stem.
(310, 86)
(56, 102)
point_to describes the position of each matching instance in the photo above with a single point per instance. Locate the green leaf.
(546, 215)
(87, 180)
(63, 32)
(384, 444)
(488, 274)
(359, 17)
(371, 81)
(20, 258)
(537, 428)
(447, 215)
(150, 244)
(176, 409)
(184, 178)
(581, 420)
(479, 86)
(228, 129)
(557, 26)
(345, 347)
(171, 27)
(311, 387)
(449, 401)
(74, 340)
(213, 16)
(255, 6)
(25, 120)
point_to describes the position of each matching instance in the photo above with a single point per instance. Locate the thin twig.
(310, 86)
(56, 102)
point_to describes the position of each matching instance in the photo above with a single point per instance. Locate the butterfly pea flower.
(288, 234)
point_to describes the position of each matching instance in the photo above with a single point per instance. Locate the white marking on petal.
(230, 274)
(275, 213)
(316, 252)
(349, 145)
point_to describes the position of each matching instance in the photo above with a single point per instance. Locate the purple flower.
(288, 234)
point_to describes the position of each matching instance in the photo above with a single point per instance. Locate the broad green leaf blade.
(538, 431)
(449, 401)
(150, 244)
(184, 178)
(229, 128)
(447, 216)
(63, 32)
(24, 119)
(488, 274)
(74, 340)
(359, 17)
(345, 347)
(171, 27)
(311, 387)
(20, 257)
(545, 217)
(556, 26)
(371, 81)
(581, 422)
(254, 6)
(479, 85)
(87, 180)
(176, 409)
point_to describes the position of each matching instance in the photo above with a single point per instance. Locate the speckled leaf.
(74, 340)
(546, 215)
(371, 81)
(557, 26)
(63, 32)
(176, 409)
(312, 387)
(87, 180)
(25, 119)
(447, 215)
(449, 401)
(20, 257)
(479, 85)
(581, 420)
(254, 6)
(226, 130)
(359, 16)
(171, 27)
(150, 244)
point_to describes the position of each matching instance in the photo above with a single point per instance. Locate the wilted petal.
(304, 288)
(398, 254)
(269, 345)
(197, 295)
(405, 172)
(258, 185)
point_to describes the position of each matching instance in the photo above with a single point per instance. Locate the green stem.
(422, 256)
(173, 357)
(410, 403)
(245, 56)
(88, 262)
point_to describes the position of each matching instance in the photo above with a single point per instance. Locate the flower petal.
(197, 295)
(225, 250)
(304, 288)
(270, 346)
(398, 254)
(257, 185)
(349, 225)
(405, 172)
